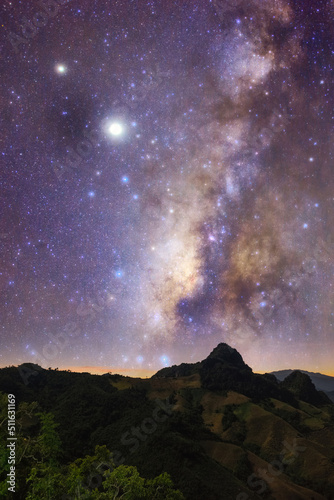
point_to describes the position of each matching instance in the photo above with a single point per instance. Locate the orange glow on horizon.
(100, 370)
(142, 373)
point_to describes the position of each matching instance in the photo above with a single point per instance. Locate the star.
(176, 170)
(115, 129)
(61, 69)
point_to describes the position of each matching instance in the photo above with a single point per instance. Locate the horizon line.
(141, 372)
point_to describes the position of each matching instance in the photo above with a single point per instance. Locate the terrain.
(218, 429)
(322, 382)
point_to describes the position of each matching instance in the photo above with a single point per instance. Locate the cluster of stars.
(183, 165)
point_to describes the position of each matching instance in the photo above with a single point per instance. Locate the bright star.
(164, 360)
(115, 129)
(60, 68)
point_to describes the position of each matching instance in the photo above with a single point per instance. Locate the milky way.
(167, 183)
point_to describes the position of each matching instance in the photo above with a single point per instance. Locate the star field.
(167, 182)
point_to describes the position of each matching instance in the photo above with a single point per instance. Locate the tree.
(49, 442)
(125, 483)
(86, 479)
(45, 478)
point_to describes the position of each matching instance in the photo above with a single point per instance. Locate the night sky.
(167, 183)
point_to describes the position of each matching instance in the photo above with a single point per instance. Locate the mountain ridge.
(321, 381)
(225, 369)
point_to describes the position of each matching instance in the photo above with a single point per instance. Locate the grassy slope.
(266, 431)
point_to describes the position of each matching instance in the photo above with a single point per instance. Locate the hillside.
(322, 382)
(219, 430)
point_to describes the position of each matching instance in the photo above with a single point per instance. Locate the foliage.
(92, 477)
(85, 478)
(229, 417)
(243, 468)
(125, 482)
(44, 477)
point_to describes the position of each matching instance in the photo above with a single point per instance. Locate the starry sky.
(166, 183)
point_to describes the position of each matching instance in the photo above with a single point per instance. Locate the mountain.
(303, 388)
(220, 430)
(224, 369)
(322, 382)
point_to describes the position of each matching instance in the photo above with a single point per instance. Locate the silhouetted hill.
(227, 355)
(182, 370)
(225, 370)
(303, 388)
(322, 382)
